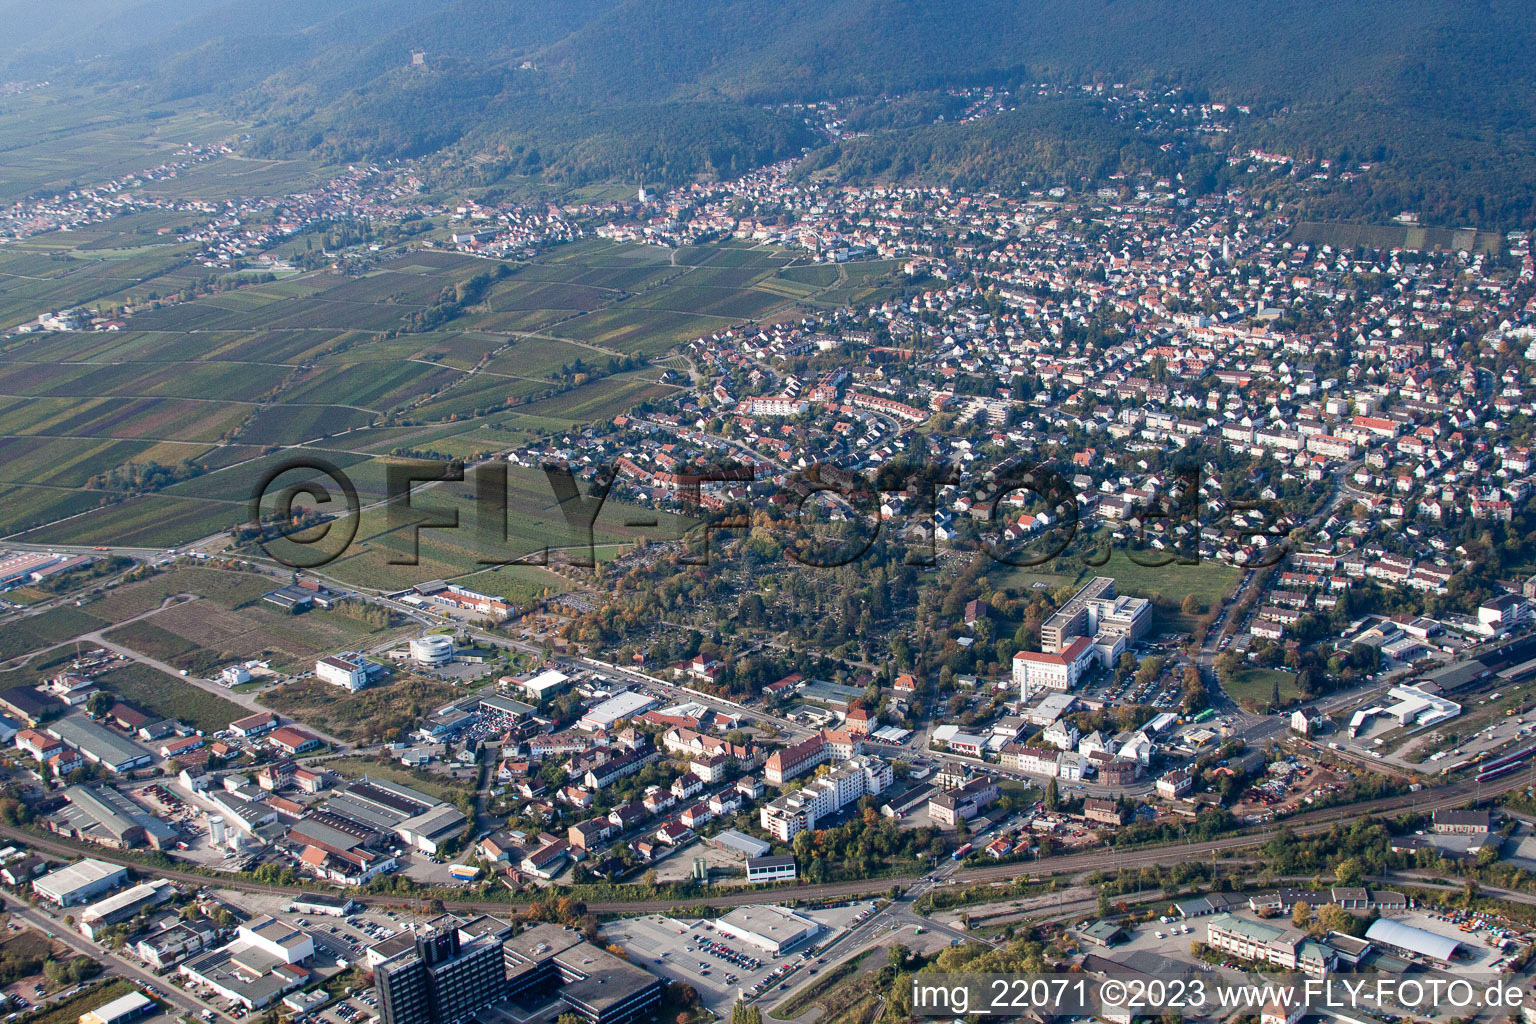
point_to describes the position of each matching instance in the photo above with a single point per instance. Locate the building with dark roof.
(1104, 933)
(1463, 823)
(596, 985)
(441, 978)
(30, 705)
(771, 869)
(100, 814)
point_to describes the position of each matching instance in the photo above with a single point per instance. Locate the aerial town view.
(602, 512)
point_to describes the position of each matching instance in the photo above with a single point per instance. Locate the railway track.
(1309, 823)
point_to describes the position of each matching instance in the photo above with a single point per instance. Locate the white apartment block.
(786, 816)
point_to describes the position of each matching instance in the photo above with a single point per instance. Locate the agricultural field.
(153, 520)
(199, 638)
(73, 461)
(533, 525)
(634, 330)
(1394, 236)
(221, 377)
(25, 508)
(224, 588)
(33, 632)
(521, 584)
(170, 697)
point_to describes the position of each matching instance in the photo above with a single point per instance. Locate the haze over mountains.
(664, 89)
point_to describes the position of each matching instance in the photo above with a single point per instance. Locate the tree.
(1301, 914)
(1333, 918)
(1190, 605)
(741, 1013)
(1348, 871)
(1052, 796)
(1103, 902)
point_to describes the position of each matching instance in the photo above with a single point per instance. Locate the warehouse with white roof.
(615, 710)
(1409, 939)
(544, 684)
(79, 882)
(769, 928)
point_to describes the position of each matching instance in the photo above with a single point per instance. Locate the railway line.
(1309, 823)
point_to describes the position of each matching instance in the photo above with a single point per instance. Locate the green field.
(1208, 581)
(168, 696)
(1255, 687)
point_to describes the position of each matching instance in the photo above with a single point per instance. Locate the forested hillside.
(668, 89)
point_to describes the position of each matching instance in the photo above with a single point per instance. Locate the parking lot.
(672, 948)
(336, 938)
(723, 968)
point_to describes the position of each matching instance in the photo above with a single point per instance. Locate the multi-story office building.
(441, 979)
(453, 969)
(596, 985)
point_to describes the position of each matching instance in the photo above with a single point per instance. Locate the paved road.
(21, 659)
(245, 700)
(1303, 824)
(112, 964)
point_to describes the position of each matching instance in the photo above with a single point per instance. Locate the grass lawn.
(430, 783)
(169, 696)
(1020, 792)
(1253, 687)
(1026, 580)
(1168, 585)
